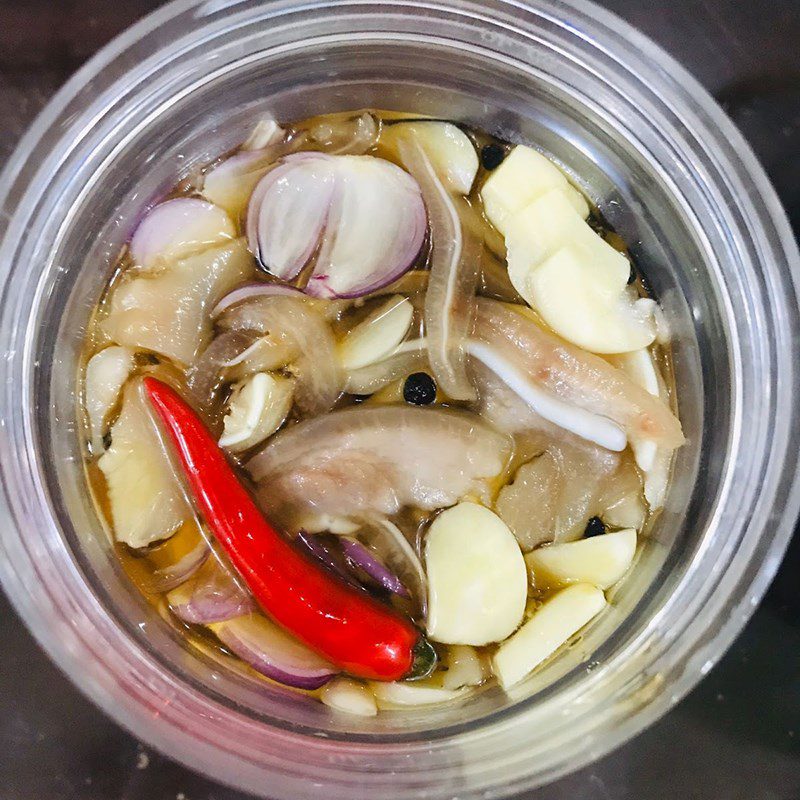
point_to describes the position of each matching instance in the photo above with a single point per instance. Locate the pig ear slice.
(600, 394)
(376, 460)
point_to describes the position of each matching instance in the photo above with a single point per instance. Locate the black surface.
(736, 737)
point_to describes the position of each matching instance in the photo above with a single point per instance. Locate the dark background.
(736, 737)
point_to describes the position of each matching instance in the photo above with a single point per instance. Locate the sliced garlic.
(392, 695)
(574, 279)
(464, 668)
(345, 694)
(601, 560)
(147, 503)
(639, 367)
(257, 408)
(106, 374)
(524, 176)
(378, 336)
(587, 304)
(551, 625)
(477, 583)
(449, 149)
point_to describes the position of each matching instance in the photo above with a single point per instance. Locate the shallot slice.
(212, 595)
(248, 291)
(179, 228)
(273, 652)
(174, 575)
(359, 556)
(231, 182)
(360, 218)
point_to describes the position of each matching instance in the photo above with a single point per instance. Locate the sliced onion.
(363, 217)
(455, 259)
(231, 182)
(212, 595)
(288, 212)
(179, 228)
(402, 556)
(323, 554)
(204, 378)
(248, 291)
(358, 556)
(409, 357)
(167, 578)
(273, 652)
(298, 324)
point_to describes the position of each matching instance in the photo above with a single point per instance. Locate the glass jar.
(667, 169)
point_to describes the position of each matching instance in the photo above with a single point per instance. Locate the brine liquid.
(146, 565)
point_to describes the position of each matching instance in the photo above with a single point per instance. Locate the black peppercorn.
(419, 389)
(595, 527)
(492, 156)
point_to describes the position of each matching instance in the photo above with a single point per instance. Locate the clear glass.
(667, 169)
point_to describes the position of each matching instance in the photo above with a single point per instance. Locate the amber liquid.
(143, 566)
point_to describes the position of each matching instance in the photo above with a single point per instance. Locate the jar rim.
(761, 218)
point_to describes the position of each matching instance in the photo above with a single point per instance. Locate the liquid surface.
(461, 404)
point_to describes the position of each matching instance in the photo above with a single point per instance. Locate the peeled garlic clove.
(147, 503)
(449, 149)
(106, 374)
(345, 694)
(477, 583)
(378, 336)
(639, 367)
(392, 695)
(574, 279)
(553, 623)
(524, 176)
(177, 229)
(587, 305)
(464, 668)
(257, 408)
(601, 560)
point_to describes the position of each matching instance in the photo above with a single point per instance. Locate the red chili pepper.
(349, 628)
